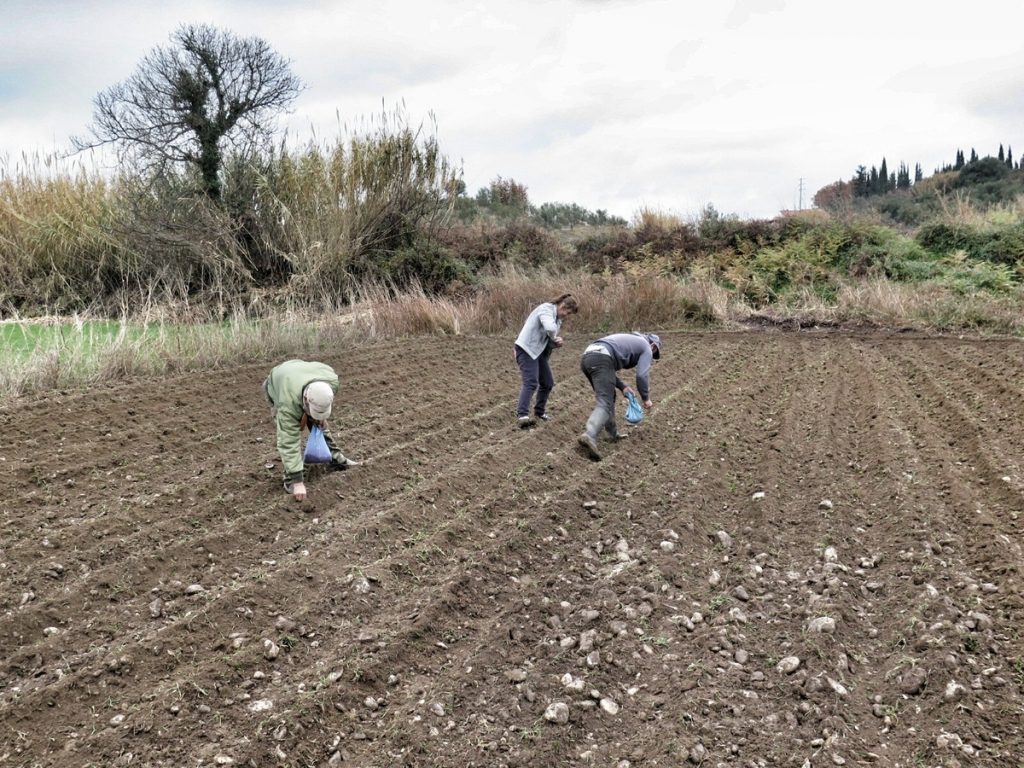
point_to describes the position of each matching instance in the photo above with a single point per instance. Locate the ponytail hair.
(568, 301)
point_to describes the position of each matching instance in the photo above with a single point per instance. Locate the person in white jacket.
(540, 334)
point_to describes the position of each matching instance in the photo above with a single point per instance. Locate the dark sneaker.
(543, 417)
(525, 421)
(590, 446)
(618, 436)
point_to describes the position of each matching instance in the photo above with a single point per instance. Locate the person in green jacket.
(301, 394)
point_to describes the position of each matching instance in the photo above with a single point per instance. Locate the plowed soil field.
(809, 554)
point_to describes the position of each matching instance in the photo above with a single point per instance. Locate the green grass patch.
(86, 340)
(20, 340)
(40, 356)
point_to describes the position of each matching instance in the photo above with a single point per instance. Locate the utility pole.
(801, 205)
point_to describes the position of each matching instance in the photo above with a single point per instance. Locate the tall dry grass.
(379, 311)
(888, 304)
(57, 234)
(329, 208)
(930, 306)
(656, 219)
(502, 302)
(498, 307)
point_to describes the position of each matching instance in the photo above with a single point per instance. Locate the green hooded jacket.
(285, 385)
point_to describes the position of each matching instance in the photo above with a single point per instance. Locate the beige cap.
(319, 397)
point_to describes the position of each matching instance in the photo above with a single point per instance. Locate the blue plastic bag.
(317, 451)
(634, 411)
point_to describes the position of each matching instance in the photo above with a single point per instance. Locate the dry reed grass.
(656, 220)
(925, 306)
(56, 231)
(498, 307)
(504, 300)
(381, 312)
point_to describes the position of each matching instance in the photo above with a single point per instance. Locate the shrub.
(969, 277)
(1001, 246)
(744, 237)
(937, 183)
(426, 264)
(873, 249)
(941, 238)
(985, 169)
(605, 251)
(504, 199)
(912, 270)
(466, 209)
(488, 247)
(990, 193)
(904, 209)
(799, 262)
(663, 234)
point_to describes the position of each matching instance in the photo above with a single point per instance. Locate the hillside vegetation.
(384, 212)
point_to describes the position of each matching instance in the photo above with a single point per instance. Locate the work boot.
(341, 464)
(590, 446)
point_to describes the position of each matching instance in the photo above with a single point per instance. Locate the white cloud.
(611, 104)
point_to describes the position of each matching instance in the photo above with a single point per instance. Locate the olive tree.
(186, 105)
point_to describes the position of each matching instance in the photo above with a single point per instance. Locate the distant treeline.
(879, 180)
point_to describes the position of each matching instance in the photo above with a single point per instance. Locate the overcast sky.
(614, 104)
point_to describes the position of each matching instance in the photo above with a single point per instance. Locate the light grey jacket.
(540, 327)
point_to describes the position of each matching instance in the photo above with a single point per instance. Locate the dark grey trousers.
(600, 372)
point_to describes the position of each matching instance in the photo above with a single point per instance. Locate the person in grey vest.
(601, 363)
(540, 335)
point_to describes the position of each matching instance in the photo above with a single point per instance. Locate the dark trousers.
(537, 377)
(600, 372)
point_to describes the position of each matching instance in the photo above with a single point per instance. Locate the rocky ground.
(808, 555)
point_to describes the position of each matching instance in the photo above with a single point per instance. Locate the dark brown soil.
(427, 605)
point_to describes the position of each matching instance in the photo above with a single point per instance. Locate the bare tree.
(185, 105)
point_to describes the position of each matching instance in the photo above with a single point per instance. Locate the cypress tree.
(918, 175)
(1009, 156)
(903, 177)
(883, 178)
(974, 156)
(860, 182)
(1002, 157)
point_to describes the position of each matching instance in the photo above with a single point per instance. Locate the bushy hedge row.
(764, 259)
(318, 223)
